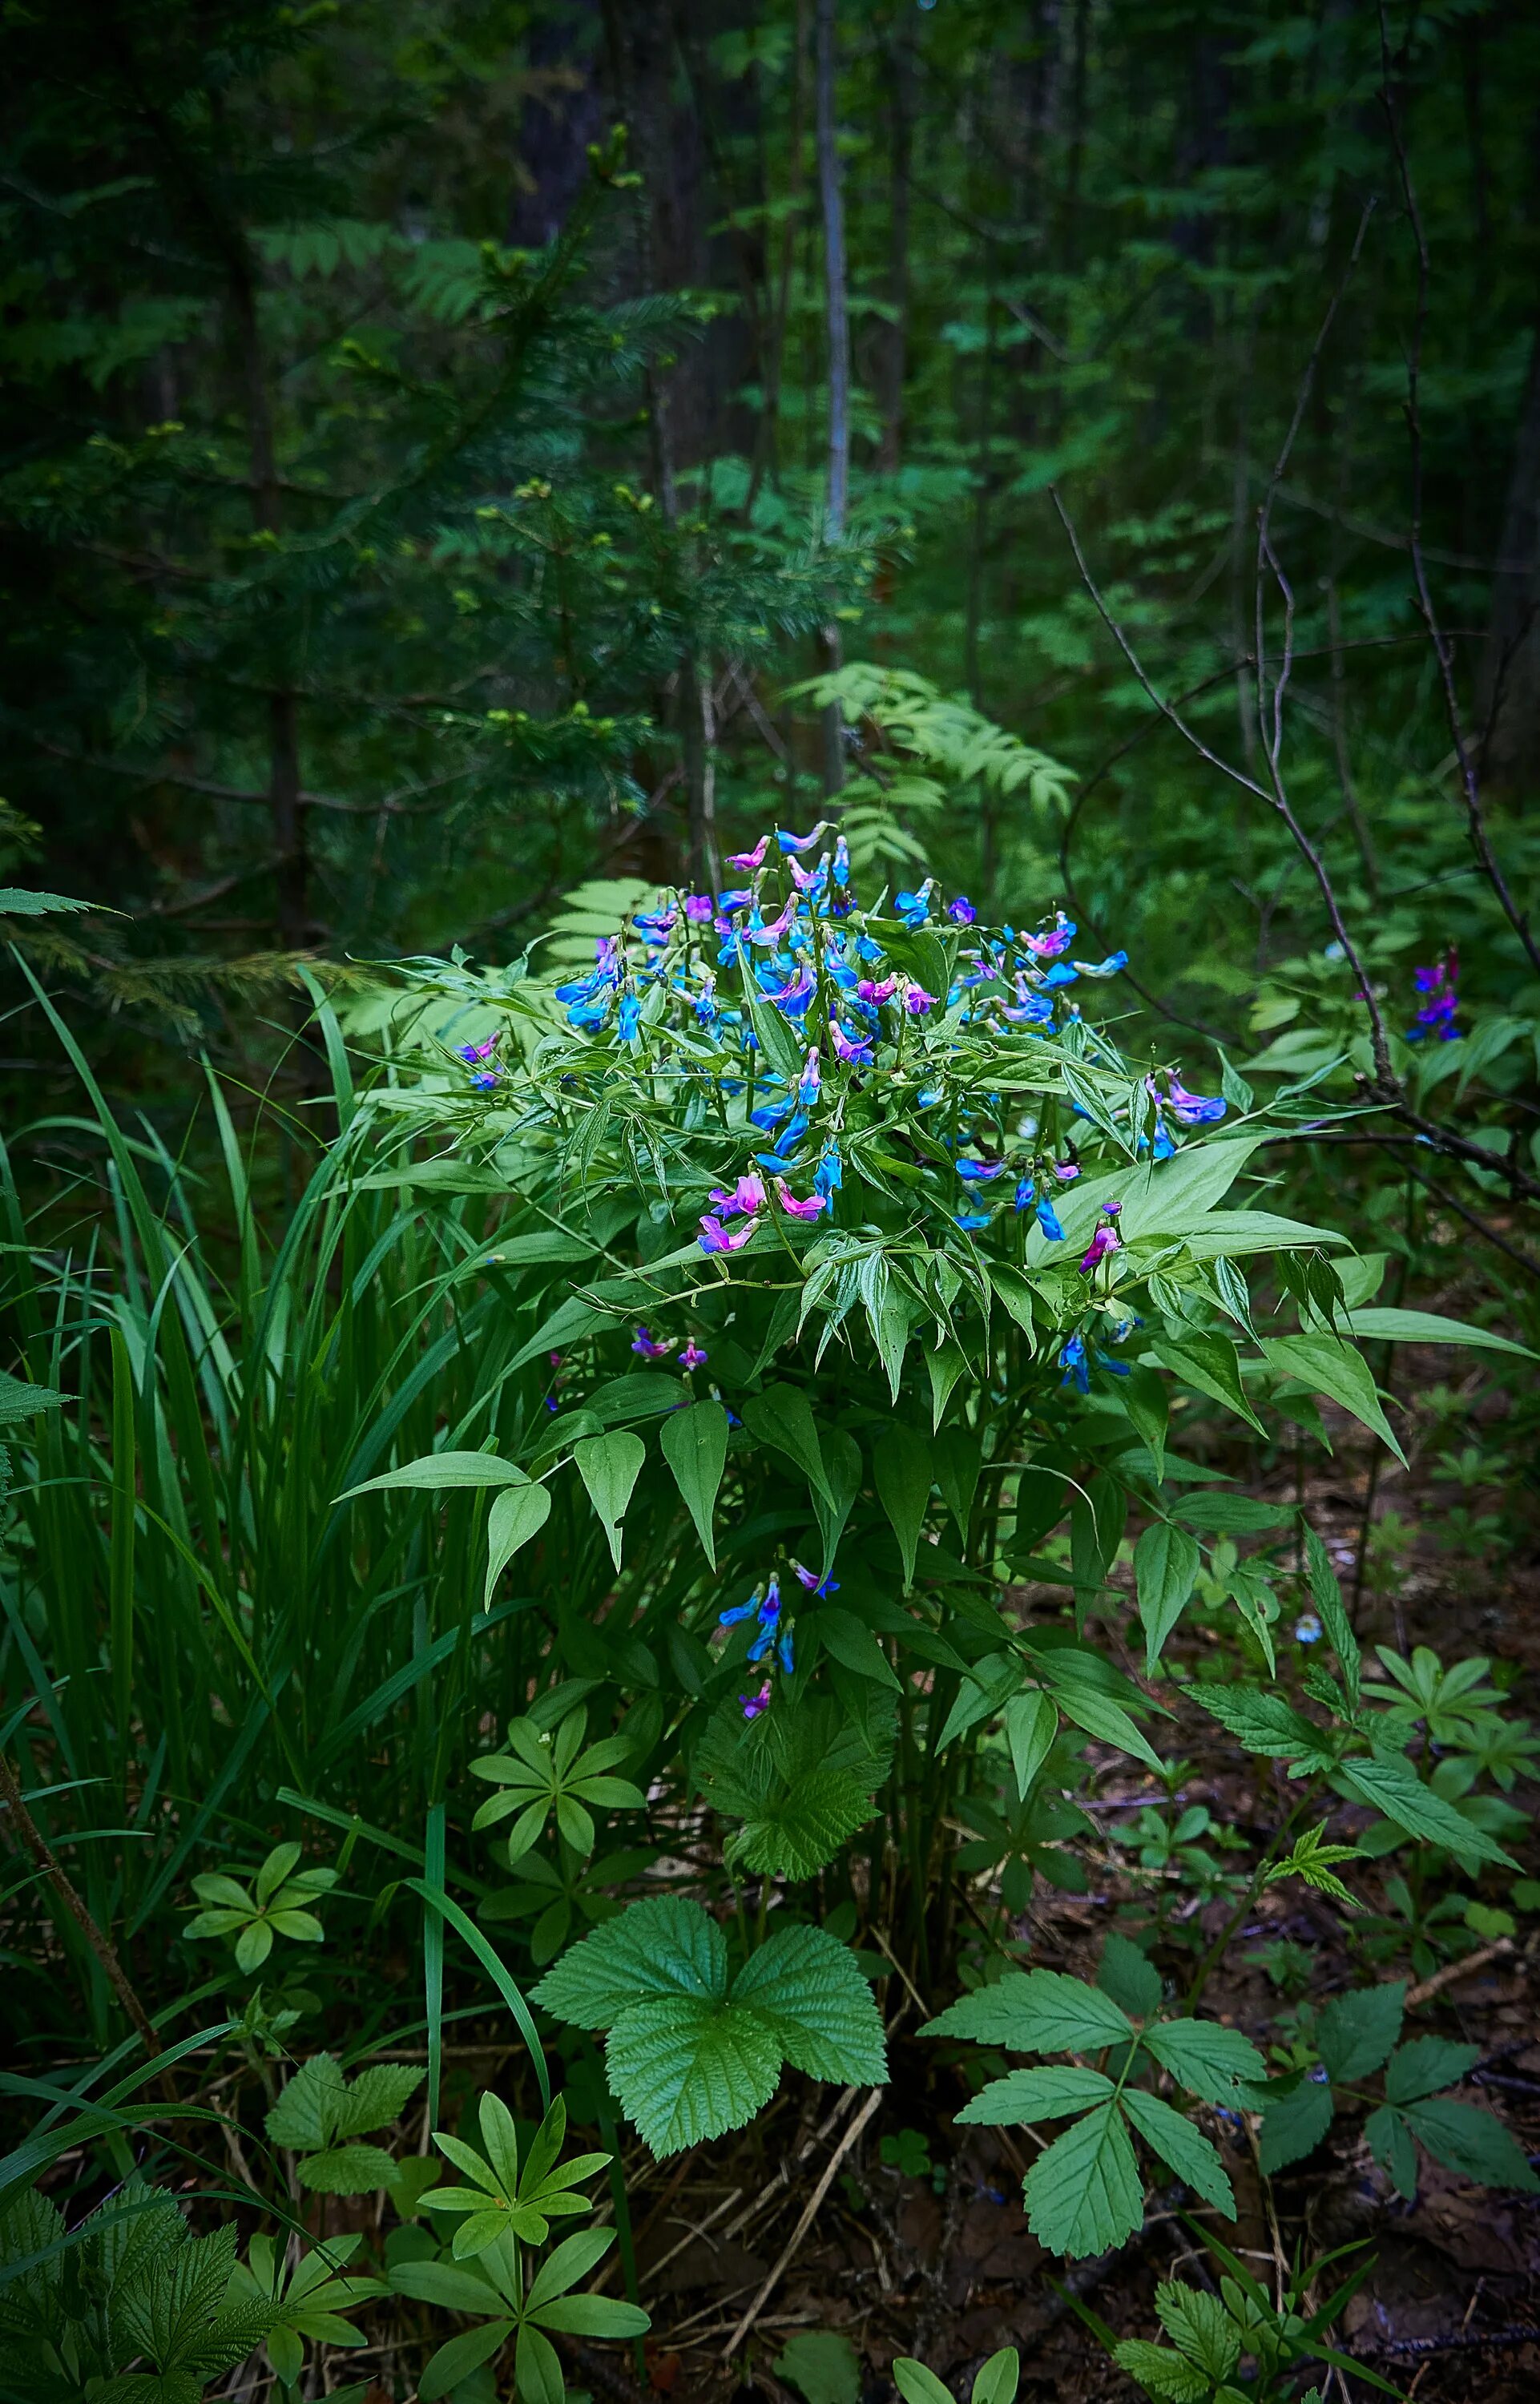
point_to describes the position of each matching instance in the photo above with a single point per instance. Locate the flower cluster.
(773, 1641)
(1439, 986)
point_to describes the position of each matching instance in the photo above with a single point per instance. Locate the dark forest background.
(436, 438)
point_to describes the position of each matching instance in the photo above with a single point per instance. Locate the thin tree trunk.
(838, 323)
(894, 349)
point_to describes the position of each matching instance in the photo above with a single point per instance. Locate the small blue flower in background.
(1308, 1629)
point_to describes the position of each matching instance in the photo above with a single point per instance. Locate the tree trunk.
(838, 323)
(1510, 668)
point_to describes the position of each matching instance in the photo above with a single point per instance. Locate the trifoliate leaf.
(1426, 2066)
(1473, 2141)
(1215, 2062)
(665, 1946)
(346, 2170)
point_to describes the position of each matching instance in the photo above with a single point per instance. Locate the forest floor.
(930, 2256)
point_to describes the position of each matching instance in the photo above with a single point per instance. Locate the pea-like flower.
(693, 1357)
(646, 1343)
(829, 1176)
(698, 908)
(961, 912)
(916, 1002)
(1194, 1109)
(629, 1021)
(971, 1220)
(1049, 1220)
(735, 1201)
(800, 842)
(980, 1172)
(814, 1585)
(1048, 943)
(1076, 1366)
(794, 996)
(813, 1207)
(753, 1705)
(754, 859)
(1108, 967)
(914, 908)
(808, 1088)
(715, 1238)
(850, 1049)
(474, 1052)
(1106, 1239)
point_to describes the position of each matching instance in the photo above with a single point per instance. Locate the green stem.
(1222, 1942)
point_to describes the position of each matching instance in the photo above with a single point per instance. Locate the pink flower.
(1066, 1171)
(812, 1208)
(714, 1237)
(750, 858)
(698, 906)
(1105, 1240)
(646, 1343)
(745, 1195)
(693, 1357)
(754, 1704)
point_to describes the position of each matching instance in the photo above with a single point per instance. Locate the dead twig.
(808, 2215)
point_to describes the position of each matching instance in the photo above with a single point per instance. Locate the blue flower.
(1025, 1195)
(1076, 1367)
(770, 1114)
(970, 1220)
(980, 1172)
(590, 1014)
(1060, 974)
(829, 1176)
(871, 952)
(1047, 1218)
(784, 1648)
(630, 1018)
(742, 1611)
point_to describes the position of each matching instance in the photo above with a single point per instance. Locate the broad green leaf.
(684, 2069)
(1162, 2372)
(1215, 2062)
(1472, 2142)
(1184, 2148)
(1212, 1364)
(1393, 1786)
(1296, 2124)
(514, 1518)
(346, 2170)
(1230, 1515)
(1084, 2195)
(1130, 1976)
(809, 1990)
(1036, 2011)
(663, 1946)
(1266, 1723)
(694, 1445)
(377, 2096)
(1166, 1566)
(792, 1834)
(1024, 2097)
(18, 1401)
(454, 2286)
(1356, 2031)
(1426, 2066)
(918, 2386)
(537, 2368)
(462, 2354)
(610, 1466)
(782, 1416)
(959, 1462)
(998, 2379)
(903, 1467)
(1382, 1325)
(442, 1473)
(1390, 2141)
(644, 1394)
(1328, 1366)
(567, 2263)
(1031, 1724)
(1200, 2326)
(822, 2366)
(1099, 1716)
(852, 1644)
(595, 2316)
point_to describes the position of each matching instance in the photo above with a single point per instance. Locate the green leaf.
(1099, 1716)
(1296, 2124)
(346, 2170)
(442, 1473)
(1084, 2195)
(1200, 2326)
(782, 1416)
(1266, 1723)
(684, 2069)
(1389, 1782)
(1024, 2097)
(663, 1946)
(902, 1461)
(1428, 1327)
(822, 2366)
(918, 2386)
(958, 1463)
(1426, 2065)
(1328, 1366)
(1031, 1724)
(1130, 1976)
(1213, 1365)
(1036, 2011)
(809, 1990)
(852, 1644)
(1166, 1566)
(795, 1833)
(1326, 1595)
(18, 901)
(460, 2356)
(1390, 2141)
(1182, 2147)
(1473, 2141)
(595, 2316)
(1162, 2372)
(514, 1518)
(610, 1466)
(1356, 2031)
(998, 2379)
(1215, 2062)
(18, 1401)
(694, 1445)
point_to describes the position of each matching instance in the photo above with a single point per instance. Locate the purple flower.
(813, 1208)
(697, 907)
(1060, 974)
(795, 995)
(736, 1201)
(693, 1357)
(754, 1704)
(714, 1237)
(768, 1613)
(1437, 1015)
(980, 1172)
(961, 912)
(486, 1080)
(646, 1343)
(1106, 1239)
(847, 1048)
(814, 1585)
(1193, 1110)
(800, 842)
(916, 1002)
(1048, 943)
(876, 994)
(727, 903)
(1066, 1171)
(754, 859)
(474, 1052)
(807, 1089)
(1025, 1195)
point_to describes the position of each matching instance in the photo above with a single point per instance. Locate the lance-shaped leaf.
(901, 1462)
(1166, 1566)
(514, 1518)
(694, 1445)
(610, 1466)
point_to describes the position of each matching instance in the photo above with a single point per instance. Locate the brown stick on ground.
(1452, 1972)
(804, 2225)
(53, 1870)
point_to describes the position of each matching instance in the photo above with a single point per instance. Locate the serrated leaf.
(1390, 1783)
(1426, 2066)
(1084, 2194)
(1356, 2031)
(1036, 2011)
(1296, 2124)
(1184, 2148)
(1390, 2141)
(1130, 1976)
(683, 2069)
(809, 1990)
(1326, 1595)
(1162, 2372)
(1214, 2062)
(794, 1833)
(346, 2170)
(1266, 1723)
(1470, 2141)
(1024, 2097)
(1199, 2325)
(1166, 1565)
(377, 2096)
(694, 1445)
(663, 1946)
